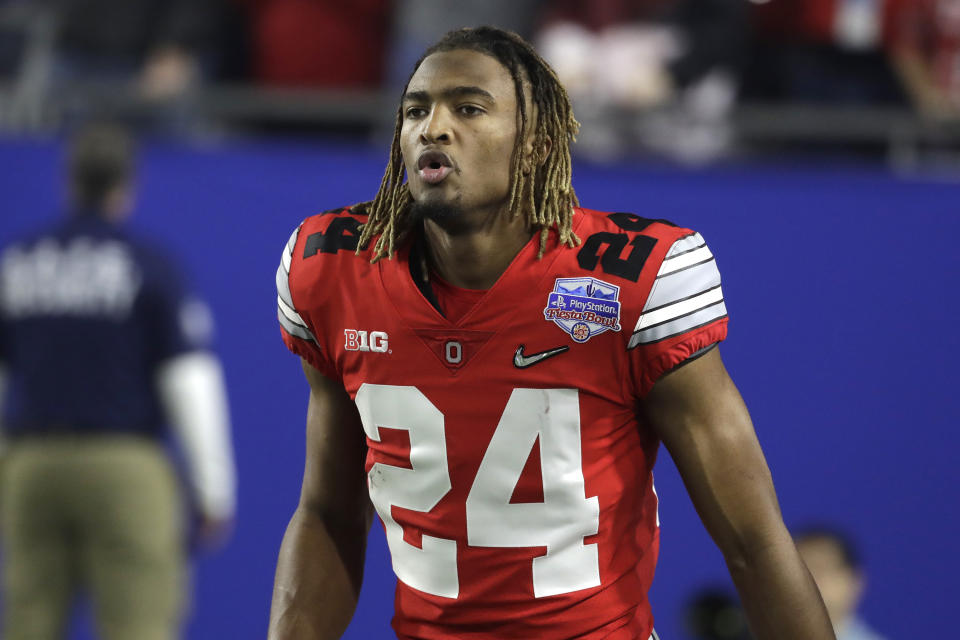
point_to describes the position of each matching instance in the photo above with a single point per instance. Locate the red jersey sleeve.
(295, 330)
(684, 312)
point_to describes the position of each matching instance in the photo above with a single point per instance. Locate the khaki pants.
(99, 514)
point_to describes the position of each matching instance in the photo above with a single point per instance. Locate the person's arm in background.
(320, 566)
(703, 422)
(192, 390)
(189, 381)
(917, 79)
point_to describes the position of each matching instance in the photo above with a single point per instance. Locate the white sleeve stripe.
(675, 318)
(283, 287)
(679, 326)
(287, 255)
(287, 314)
(292, 242)
(291, 314)
(685, 260)
(685, 245)
(294, 329)
(678, 309)
(683, 284)
(691, 266)
(680, 253)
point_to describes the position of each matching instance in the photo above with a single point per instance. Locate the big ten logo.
(375, 341)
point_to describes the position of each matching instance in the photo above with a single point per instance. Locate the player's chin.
(440, 210)
(434, 194)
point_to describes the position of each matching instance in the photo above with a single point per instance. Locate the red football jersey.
(506, 457)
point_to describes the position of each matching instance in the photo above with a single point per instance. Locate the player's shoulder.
(333, 231)
(327, 242)
(319, 268)
(623, 222)
(321, 255)
(628, 248)
(662, 277)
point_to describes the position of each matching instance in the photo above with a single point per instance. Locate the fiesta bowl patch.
(584, 307)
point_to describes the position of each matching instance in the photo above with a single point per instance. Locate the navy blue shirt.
(87, 314)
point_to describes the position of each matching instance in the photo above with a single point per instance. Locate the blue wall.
(842, 285)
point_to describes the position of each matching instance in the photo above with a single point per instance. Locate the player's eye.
(470, 110)
(413, 113)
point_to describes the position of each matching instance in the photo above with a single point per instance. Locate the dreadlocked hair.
(540, 188)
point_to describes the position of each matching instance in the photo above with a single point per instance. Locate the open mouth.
(434, 166)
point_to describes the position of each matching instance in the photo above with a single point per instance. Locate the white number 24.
(559, 523)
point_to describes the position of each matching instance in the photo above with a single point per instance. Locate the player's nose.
(437, 127)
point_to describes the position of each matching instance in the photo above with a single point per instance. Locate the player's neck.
(477, 258)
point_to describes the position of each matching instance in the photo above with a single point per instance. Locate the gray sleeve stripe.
(291, 315)
(679, 326)
(683, 299)
(686, 245)
(294, 329)
(682, 284)
(285, 261)
(283, 286)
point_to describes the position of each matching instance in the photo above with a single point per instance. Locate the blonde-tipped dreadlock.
(543, 194)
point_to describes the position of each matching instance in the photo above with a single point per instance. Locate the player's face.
(458, 132)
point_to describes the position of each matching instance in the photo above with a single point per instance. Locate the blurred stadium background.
(814, 143)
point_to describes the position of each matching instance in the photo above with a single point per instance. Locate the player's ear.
(546, 145)
(535, 153)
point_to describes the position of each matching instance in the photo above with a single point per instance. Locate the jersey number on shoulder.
(559, 523)
(610, 260)
(343, 234)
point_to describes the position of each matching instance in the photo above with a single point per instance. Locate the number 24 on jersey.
(559, 523)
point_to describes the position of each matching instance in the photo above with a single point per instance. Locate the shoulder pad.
(320, 250)
(332, 232)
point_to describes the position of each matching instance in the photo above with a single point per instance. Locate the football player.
(492, 368)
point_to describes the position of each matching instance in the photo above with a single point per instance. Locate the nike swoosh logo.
(521, 361)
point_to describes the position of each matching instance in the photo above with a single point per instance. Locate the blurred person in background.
(417, 24)
(318, 43)
(835, 564)
(78, 57)
(660, 74)
(165, 46)
(101, 345)
(829, 52)
(926, 54)
(712, 613)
